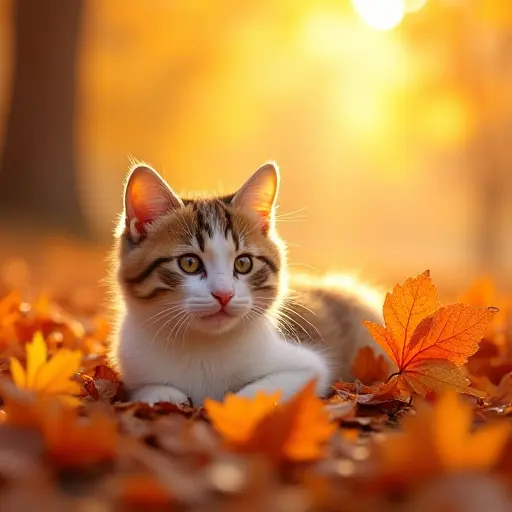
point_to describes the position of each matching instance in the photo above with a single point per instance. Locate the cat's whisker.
(261, 312)
(159, 316)
(291, 219)
(163, 317)
(191, 317)
(170, 336)
(303, 318)
(181, 324)
(298, 304)
(279, 215)
(252, 319)
(282, 315)
(284, 319)
(177, 315)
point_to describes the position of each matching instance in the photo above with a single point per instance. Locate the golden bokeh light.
(380, 14)
(370, 107)
(414, 5)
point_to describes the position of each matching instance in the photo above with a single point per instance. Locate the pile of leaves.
(425, 427)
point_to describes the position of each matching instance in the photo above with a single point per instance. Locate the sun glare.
(380, 14)
(414, 5)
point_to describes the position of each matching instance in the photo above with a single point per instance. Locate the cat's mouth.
(222, 313)
(217, 322)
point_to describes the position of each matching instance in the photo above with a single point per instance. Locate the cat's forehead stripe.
(210, 216)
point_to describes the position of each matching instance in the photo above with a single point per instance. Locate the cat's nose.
(223, 296)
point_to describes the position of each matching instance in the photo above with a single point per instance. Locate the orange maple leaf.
(440, 438)
(48, 377)
(370, 368)
(295, 430)
(237, 417)
(428, 343)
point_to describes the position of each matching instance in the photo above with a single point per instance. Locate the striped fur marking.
(148, 270)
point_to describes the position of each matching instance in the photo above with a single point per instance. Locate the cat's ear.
(259, 193)
(146, 197)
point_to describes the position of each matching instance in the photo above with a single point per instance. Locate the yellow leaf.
(44, 377)
(18, 373)
(53, 377)
(37, 354)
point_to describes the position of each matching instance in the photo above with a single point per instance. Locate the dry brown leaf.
(370, 368)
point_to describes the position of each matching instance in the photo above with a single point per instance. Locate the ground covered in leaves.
(426, 427)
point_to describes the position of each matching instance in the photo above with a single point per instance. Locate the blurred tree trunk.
(38, 180)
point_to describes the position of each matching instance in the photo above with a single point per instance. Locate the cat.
(206, 305)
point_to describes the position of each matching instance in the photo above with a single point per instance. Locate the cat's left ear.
(259, 193)
(146, 198)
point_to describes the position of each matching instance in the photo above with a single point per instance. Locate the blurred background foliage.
(391, 121)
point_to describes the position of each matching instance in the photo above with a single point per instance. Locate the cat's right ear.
(146, 198)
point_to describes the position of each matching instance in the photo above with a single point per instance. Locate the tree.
(38, 180)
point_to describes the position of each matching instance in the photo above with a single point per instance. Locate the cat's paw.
(155, 394)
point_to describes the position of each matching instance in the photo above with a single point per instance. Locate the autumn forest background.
(391, 122)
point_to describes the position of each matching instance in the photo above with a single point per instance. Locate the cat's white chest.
(198, 369)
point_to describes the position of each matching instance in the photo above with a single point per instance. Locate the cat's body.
(206, 307)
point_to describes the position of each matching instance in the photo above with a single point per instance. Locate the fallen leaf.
(427, 342)
(500, 395)
(105, 385)
(371, 395)
(439, 438)
(295, 430)
(452, 332)
(436, 375)
(405, 308)
(72, 440)
(47, 377)
(237, 417)
(311, 425)
(370, 368)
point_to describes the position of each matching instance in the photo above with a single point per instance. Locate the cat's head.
(207, 264)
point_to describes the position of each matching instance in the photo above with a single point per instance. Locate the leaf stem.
(392, 375)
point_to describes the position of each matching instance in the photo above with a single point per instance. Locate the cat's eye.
(243, 264)
(190, 264)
